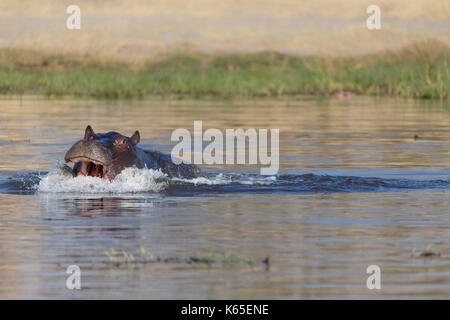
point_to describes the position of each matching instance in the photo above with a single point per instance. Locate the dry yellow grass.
(401, 9)
(139, 29)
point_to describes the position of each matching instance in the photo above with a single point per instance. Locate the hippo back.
(159, 160)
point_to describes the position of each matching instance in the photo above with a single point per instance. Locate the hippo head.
(102, 155)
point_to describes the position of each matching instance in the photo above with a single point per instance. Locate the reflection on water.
(361, 182)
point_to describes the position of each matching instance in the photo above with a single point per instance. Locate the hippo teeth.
(93, 170)
(90, 167)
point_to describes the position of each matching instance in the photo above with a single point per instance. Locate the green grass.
(420, 71)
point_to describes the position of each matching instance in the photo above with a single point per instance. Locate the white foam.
(227, 179)
(218, 179)
(134, 180)
(130, 180)
(260, 180)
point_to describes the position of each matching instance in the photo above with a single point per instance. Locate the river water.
(362, 182)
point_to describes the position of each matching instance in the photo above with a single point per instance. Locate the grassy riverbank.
(420, 71)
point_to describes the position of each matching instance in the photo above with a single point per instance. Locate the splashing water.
(133, 180)
(60, 179)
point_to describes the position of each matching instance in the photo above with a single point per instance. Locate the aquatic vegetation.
(427, 252)
(125, 259)
(418, 71)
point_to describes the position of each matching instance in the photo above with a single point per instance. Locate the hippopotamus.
(105, 155)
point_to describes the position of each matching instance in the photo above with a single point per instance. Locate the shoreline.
(420, 71)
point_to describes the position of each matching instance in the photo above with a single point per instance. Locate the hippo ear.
(88, 133)
(135, 138)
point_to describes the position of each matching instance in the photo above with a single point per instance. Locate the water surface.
(362, 182)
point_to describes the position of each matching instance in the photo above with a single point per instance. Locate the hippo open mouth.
(90, 167)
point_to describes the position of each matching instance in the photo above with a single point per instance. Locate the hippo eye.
(120, 141)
